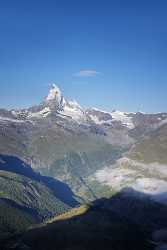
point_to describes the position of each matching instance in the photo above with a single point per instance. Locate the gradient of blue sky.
(52, 41)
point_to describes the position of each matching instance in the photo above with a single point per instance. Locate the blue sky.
(107, 54)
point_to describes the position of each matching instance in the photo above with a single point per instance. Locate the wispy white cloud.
(86, 73)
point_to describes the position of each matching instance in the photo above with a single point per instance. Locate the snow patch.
(74, 104)
(124, 118)
(73, 109)
(43, 113)
(5, 119)
(96, 120)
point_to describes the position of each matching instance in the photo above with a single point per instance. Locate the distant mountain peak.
(55, 105)
(54, 93)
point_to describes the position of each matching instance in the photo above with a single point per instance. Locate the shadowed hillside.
(17, 166)
(27, 198)
(124, 222)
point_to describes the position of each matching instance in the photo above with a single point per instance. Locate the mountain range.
(58, 155)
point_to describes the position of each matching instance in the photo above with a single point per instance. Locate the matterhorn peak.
(54, 93)
(56, 103)
(54, 99)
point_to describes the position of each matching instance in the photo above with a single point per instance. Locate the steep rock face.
(54, 95)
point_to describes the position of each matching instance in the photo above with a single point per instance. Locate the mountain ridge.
(60, 139)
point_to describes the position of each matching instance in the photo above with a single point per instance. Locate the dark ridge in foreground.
(124, 222)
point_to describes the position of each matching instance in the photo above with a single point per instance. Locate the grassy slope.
(59, 149)
(30, 200)
(153, 148)
(71, 157)
(69, 214)
(13, 219)
(56, 148)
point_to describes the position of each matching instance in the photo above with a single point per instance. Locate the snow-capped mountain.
(54, 94)
(81, 147)
(108, 118)
(55, 104)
